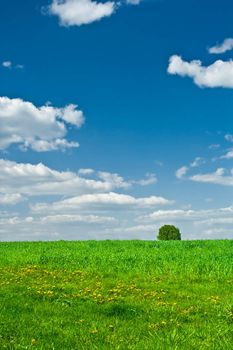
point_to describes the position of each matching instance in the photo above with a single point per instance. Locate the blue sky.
(115, 118)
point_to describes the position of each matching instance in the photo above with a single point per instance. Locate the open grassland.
(116, 295)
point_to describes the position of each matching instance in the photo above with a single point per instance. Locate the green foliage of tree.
(169, 232)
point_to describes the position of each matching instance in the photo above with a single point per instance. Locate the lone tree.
(169, 232)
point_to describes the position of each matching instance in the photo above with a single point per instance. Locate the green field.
(117, 295)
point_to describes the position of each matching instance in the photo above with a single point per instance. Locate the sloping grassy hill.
(116, 295)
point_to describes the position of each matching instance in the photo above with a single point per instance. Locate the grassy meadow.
(116, 295)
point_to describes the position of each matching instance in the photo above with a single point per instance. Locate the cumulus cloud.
(9, 65)
(87, 171)
(10, 198)
(181, 172)
(79, 12)
(228, 155)
(39, 128)
(46, 146)
(39, 179)
(148, 180)
(218, 74)
(112, 178)
(179, 214)
(225, 46)
(219, 177)
(105, 201)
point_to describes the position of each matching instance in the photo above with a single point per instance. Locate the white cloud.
(216, 233)
(149, 180)
(56, 219)
(59, 218)
(198, 161)
(103, 201)
(229, 137)
(228, 155)
(133, 2)
(7, 64)
(16, 220)
(197, 216)
(10, 198)
(226, 45)
(113, 179)
(218, 177)
(136, 229)
(217, 221)
(218, 74)
(71, 115)
(39, 179)
(86, 171)
(91, 219)
(45, 146)
(195, 224)
(221, 176)
(178, 214)
(181, 172)
(71, 227)
(39, 128)
(79, 12)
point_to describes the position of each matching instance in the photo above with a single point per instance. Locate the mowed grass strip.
(116, 295)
